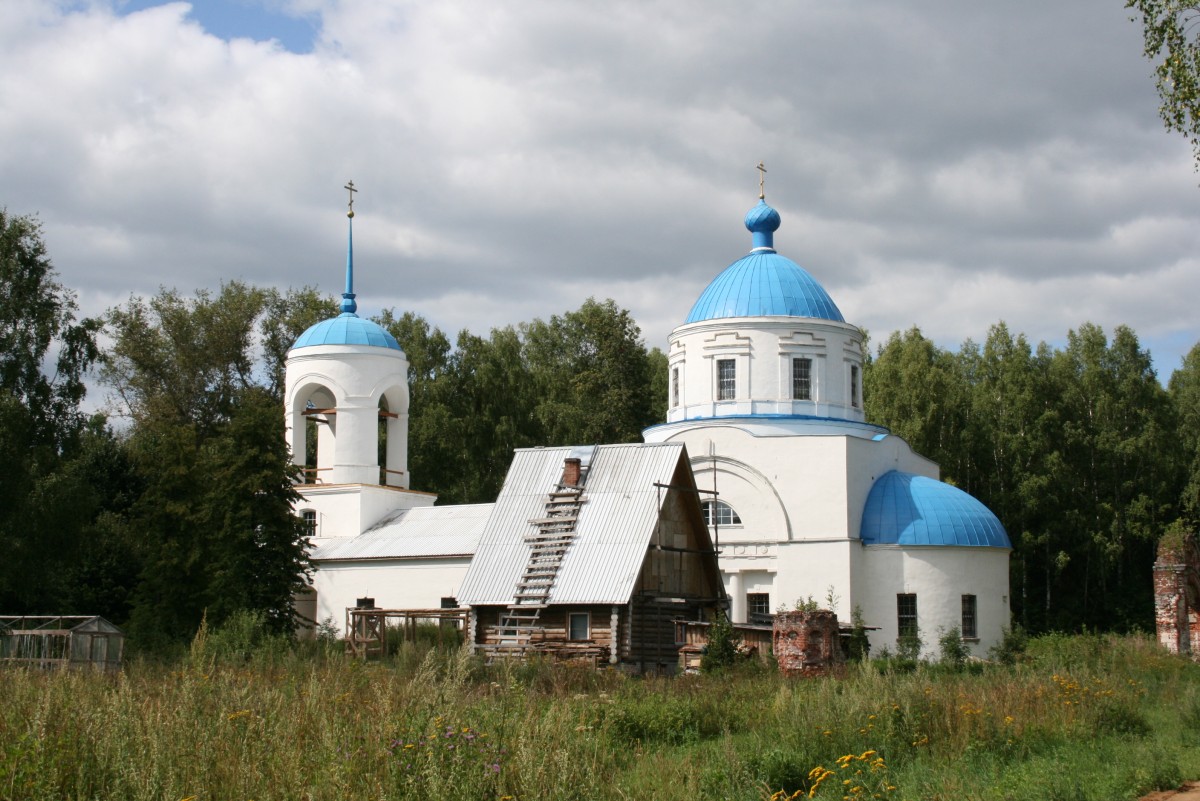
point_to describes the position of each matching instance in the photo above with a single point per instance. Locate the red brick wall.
(807, 644)
(1176, 616)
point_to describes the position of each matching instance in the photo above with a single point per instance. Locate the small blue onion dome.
(907, 509)
(763, 283)
(347, 329)
(762, 221)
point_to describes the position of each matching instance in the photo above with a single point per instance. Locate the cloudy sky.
(936, 163)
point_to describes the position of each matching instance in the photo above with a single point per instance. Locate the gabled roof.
(423, 532)
(612, 534)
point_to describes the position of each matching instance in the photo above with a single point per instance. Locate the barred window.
(758, 603)
(726, 379)
(969, 628)
(802, 379)
(906, 614)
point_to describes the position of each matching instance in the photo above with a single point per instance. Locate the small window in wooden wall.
(580, 626)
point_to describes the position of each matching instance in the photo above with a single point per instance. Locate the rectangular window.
(726, 379)
(580, 626)
(310, 522)
(854, 385)
(906, 614)
(970, 630)
(802, 379)
(758, 603)
(674, 387)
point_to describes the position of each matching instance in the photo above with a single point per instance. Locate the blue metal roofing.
(906, 509)
(347, 329)
(763, 283)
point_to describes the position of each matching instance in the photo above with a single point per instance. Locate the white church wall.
(347, 510)
(767, 476)
(394, 584)
(761, 349)
(939, 577)
(810, 568)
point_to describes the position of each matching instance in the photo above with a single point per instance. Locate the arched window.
(720, 513)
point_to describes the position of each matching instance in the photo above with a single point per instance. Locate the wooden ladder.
(548, 543)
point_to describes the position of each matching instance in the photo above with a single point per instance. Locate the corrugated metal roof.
(613, 531)
(425, 531)
(764, 283)
(346, 329)
(907, 509)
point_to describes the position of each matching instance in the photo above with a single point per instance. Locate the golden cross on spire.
(350, 186)
(762, 175)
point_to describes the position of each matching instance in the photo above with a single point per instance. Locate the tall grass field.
(1078, 717)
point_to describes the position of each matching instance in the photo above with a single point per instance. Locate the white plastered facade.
(797, 472)
(348, 390)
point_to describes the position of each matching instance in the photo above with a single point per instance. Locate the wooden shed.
(593, 553)
(58, 641)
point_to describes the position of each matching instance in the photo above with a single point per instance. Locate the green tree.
(593, 376)
(916, 390)
(214, 524)
(44, 354)
(1171, 31)
(1185, 395)
(184, 360)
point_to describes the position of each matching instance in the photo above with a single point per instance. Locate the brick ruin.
(1177, 595)
(807, 644)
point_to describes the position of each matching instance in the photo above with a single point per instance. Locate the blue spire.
(348, 305)
(348, 328)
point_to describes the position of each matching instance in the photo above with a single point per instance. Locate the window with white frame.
(726, 379)
(720, 513)
(580, 626)
(309, 516)
(801, 378)
(674, 387)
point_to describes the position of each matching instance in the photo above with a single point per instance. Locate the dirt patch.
(1190, 791)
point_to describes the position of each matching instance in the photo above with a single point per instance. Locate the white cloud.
(941, 164)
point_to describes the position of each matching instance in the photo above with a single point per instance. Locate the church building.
(803, 498)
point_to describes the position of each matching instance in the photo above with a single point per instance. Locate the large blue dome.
(763, 283)
(347, 329)
(907, 509)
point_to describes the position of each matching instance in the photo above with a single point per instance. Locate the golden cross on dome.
(350, 186)
(762, 175)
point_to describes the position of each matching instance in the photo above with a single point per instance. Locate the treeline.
(180, 505)
(1080, 451)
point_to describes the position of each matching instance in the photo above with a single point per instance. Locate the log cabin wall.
(555, 636)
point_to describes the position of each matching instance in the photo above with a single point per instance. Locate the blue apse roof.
(906, 509)
(763, 283)
(347, 329)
